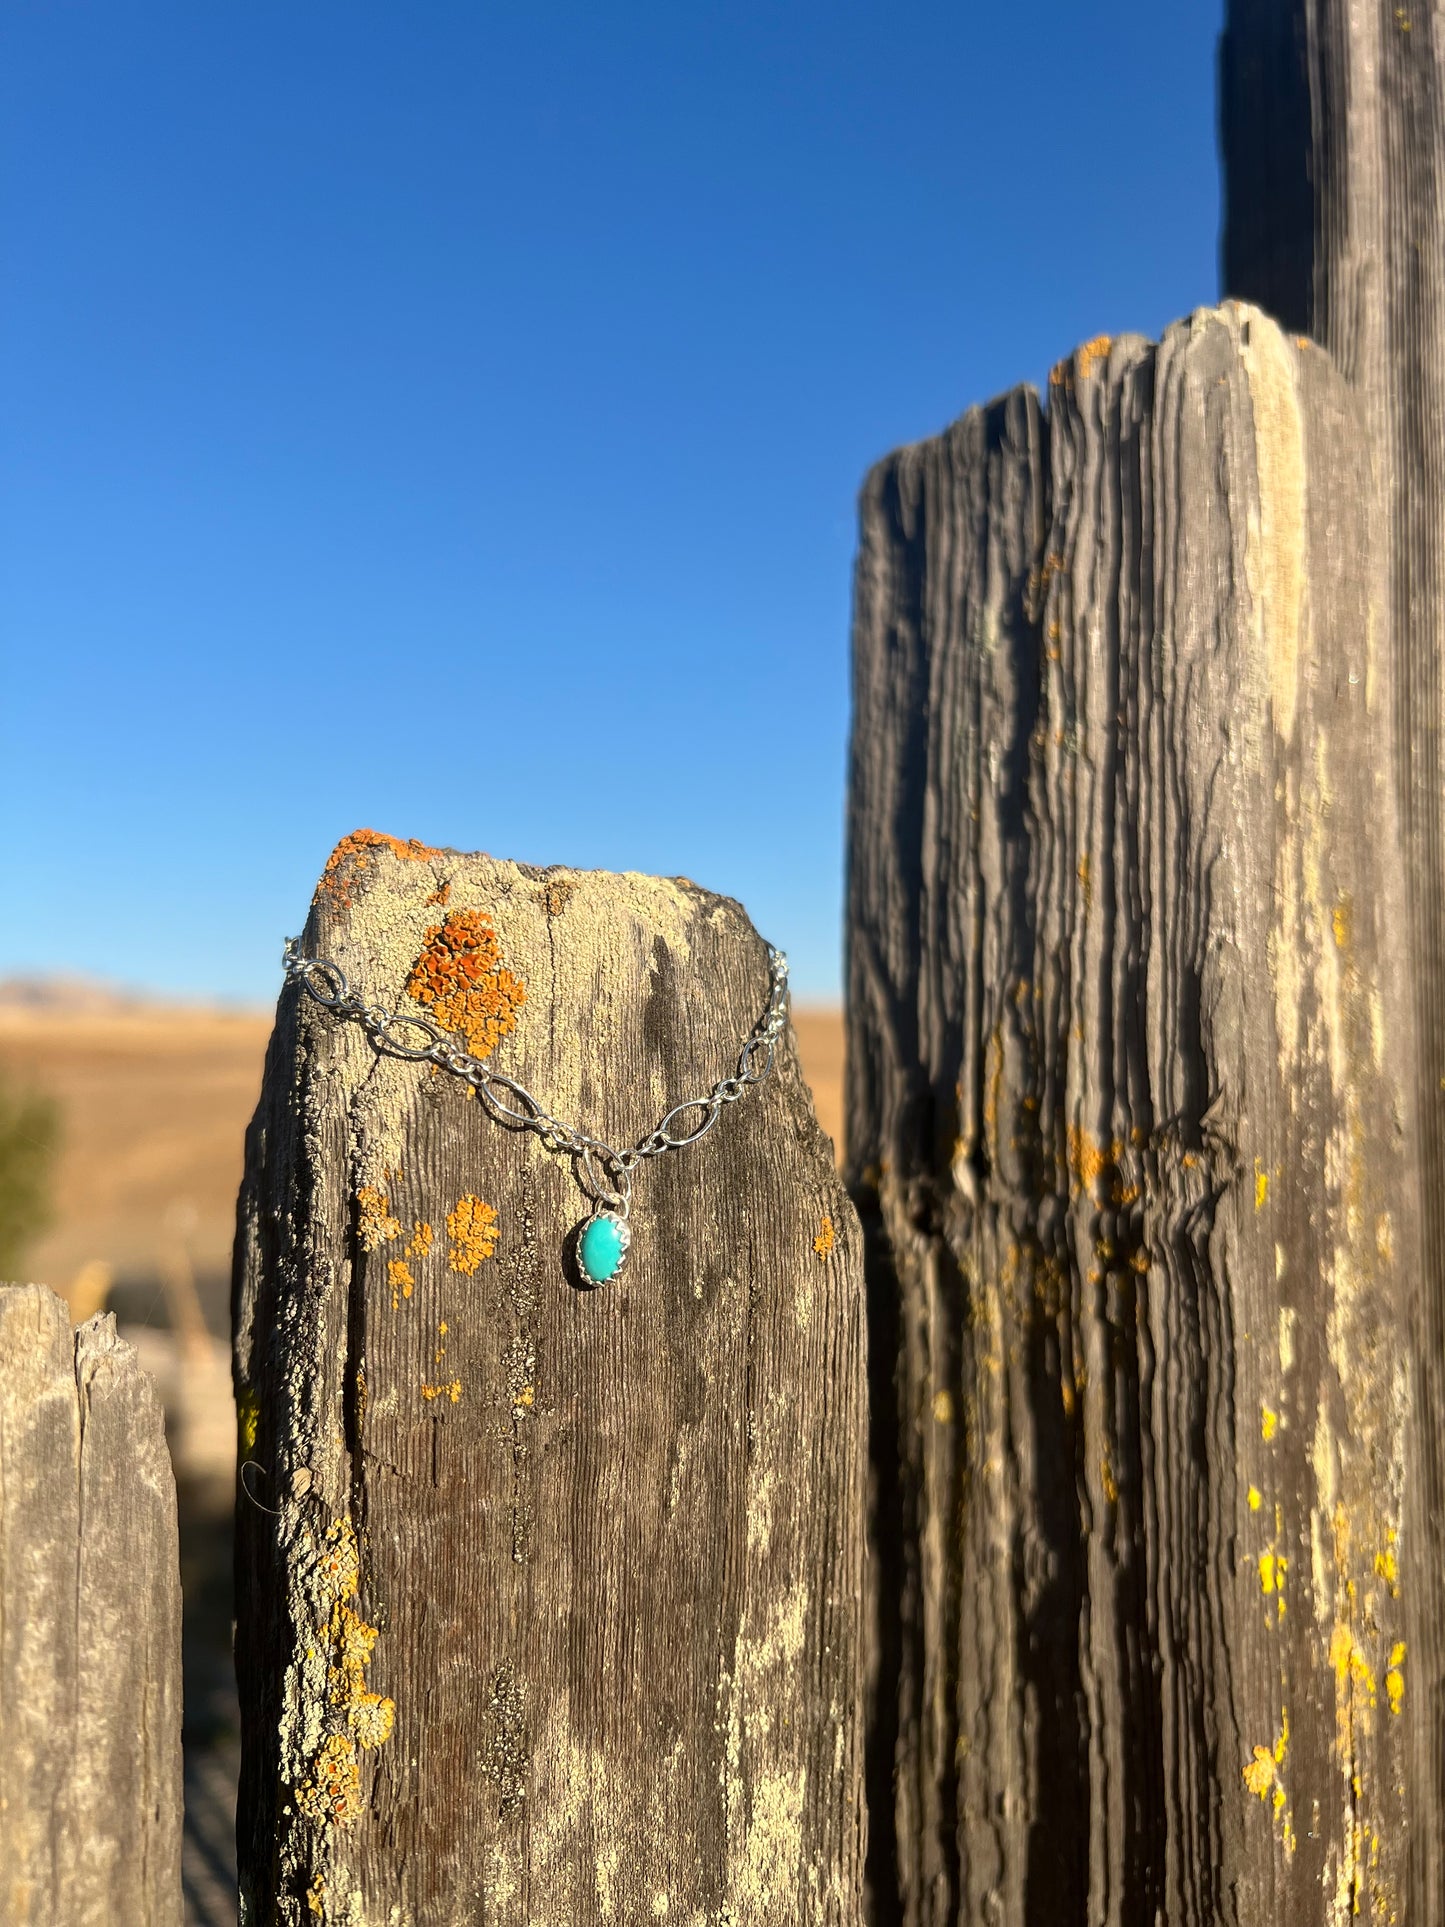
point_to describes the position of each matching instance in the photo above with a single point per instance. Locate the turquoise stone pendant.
(602, 1247)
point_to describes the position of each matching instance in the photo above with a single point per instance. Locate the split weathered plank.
(1129, 1113)
(90, 1628)
(550, 1605)
(1332, 131)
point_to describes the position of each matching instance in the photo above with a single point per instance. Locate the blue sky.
(448, 419)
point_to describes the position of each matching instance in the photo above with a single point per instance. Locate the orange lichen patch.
(1089, 1160)
(398, 1272)
(453, 1391)
(1091, 354)
(375, 1224)
(420, 1240)
(472, 1228)
(355, 854)
(441, 896)
(460, 980)
(332, 1795)
(823, 1243)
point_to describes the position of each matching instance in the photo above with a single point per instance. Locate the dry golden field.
(154, 1105)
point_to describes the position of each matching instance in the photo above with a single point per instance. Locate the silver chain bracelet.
(603, 1172)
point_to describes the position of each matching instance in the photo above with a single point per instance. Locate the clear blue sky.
(447, 418)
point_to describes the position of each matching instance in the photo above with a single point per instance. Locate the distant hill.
(61, 993)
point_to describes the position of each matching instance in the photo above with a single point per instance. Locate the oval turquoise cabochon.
(600, 1249)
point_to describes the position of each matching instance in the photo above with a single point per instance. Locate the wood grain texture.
(557, 1615)
(90, 1629)
(1129, 1112)
(1332, 131)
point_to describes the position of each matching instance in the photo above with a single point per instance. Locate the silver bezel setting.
(612, 1217)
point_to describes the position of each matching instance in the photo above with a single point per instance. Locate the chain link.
(513, 1105)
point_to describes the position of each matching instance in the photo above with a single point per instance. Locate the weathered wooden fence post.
(1332, 130)
(550, 1608)
(1130, 1113)
(90, 1629)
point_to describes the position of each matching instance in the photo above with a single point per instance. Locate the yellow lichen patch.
(1387, 1565)
(353, 1641)
(460, 980)
(248, 1419)
(1259, 1772)
(1261, 1185)
(453, 1391)
(1255, 1497)
(339, 1563)
(1088, 357)
(823, 1243)
(372, 1719)
(1268, 1423)
(356, 1716)
(1262, 1777)
(1108, 1481)
(1351, 1663)
(398, 1273)
(355, 854)
(943, 1407)
(472, 1228)
(1341, 921)
(420, 1240)
(316, 1897)
(332, 1794)
(375, 1224)
(1395, 1677)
